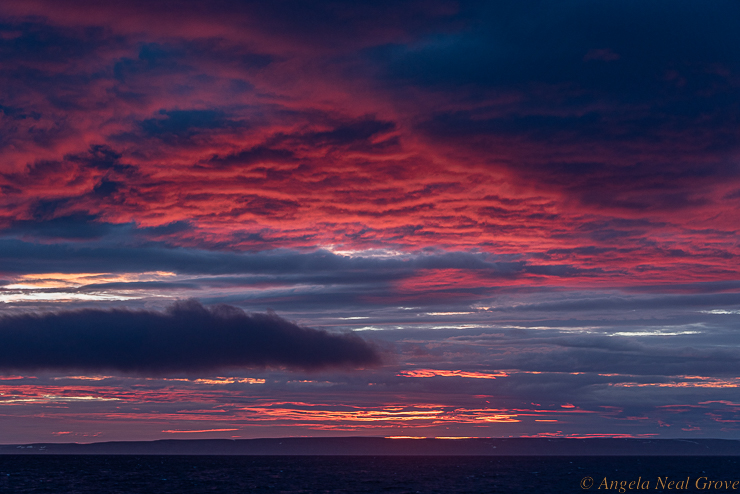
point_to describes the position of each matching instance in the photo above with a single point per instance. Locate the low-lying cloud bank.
(187, 337)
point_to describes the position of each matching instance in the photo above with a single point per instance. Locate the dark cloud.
(349, 133)
(256, 154)
(179, 57)
(510, 43)
(152, 256)
(188, 338)
(41, 42)
(357, 134)
(617, 302)
(153, 58)
(620, 176)
(17, 113)
(697, 287)
(83, 227)
(631, 358)
(646, 347)
(186, 123)
(648, 120)
(101, 167)
(73, 226)
(103, 158)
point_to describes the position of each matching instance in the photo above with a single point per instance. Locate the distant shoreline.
(380, 446)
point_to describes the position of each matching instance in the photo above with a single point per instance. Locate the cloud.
(187, 338)
(254, 155)
(28, 257)
(350, 133)
(184, 123)
(114, 115)
(622, 303)
(73, 226)
(450, 177)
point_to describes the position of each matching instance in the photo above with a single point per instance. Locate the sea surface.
(63, 474)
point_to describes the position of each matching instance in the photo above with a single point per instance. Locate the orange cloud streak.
(450, 373)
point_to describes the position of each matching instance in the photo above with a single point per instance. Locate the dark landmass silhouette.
(379, 446)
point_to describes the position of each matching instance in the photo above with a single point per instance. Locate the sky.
(235, 219)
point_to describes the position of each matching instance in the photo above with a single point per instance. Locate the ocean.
(151, 474)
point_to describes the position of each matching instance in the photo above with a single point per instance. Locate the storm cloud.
(186, 338)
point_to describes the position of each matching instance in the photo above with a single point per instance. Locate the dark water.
(363, 474)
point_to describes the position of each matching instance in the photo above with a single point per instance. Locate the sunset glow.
(438, 220)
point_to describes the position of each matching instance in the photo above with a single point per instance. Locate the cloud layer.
(535, 202)
(460, 126)
(187, 338)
